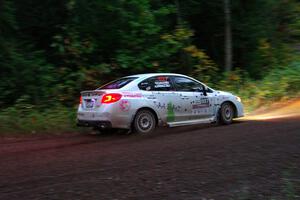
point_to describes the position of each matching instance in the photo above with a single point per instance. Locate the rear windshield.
(117, 84)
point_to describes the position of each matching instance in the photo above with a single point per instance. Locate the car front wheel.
(226, 113)
(144, 122)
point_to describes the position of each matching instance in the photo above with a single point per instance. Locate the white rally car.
(142, 102)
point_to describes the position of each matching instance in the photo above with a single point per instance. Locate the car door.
(160, 95)
(204, 106)
(195, 103)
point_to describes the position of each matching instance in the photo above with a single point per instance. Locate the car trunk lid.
(91, 99)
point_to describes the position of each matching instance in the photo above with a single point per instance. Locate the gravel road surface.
(246, 160)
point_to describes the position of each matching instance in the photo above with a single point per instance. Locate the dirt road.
(246, 160)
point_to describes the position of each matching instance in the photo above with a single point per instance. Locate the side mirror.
(201, 89)
(204, 91)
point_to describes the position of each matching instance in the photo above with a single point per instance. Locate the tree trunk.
(228, 36)
(178, 13)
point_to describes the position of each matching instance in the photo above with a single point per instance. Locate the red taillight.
(80, 100)
(111, 98)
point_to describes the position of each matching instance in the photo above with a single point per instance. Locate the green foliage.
(281, 83)
(27, 118)
(24, 74)
(7, 18)
(50, 51)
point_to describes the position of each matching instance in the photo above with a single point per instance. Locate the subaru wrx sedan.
(143, 102)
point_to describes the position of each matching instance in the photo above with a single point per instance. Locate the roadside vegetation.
(280, 84)
(51, 50)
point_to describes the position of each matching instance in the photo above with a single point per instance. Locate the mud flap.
(217, 115)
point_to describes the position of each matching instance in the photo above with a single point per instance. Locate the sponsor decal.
(132, 94)
(162, 78)
(164, 84)
(170, 112)
(200, 106)
(197, 106)
(124, 105)
(160, 105)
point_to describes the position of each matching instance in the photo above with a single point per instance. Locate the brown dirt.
(288, 106)
(246, 160)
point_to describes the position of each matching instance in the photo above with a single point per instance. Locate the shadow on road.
(158, 132)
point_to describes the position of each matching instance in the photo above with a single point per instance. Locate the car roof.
(141, 77)
(155, 74)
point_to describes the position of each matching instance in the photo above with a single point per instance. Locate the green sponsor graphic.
(170, 112)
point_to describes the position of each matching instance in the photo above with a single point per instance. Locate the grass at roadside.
(27, 119)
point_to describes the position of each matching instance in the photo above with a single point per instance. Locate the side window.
(157, 83)
(186, 84)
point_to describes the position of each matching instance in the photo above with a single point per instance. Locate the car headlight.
(238, 99)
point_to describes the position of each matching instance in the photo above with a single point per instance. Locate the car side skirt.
(192, 122)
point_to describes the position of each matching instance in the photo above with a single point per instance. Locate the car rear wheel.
(144, 122)
(226, 113)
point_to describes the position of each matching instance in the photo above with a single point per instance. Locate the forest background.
(51, 50)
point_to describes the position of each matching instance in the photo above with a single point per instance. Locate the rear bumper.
(107, 115)
(90, 123)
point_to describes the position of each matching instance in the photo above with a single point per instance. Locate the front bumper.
(240, 109)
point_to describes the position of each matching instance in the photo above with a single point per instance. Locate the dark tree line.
(52, 49)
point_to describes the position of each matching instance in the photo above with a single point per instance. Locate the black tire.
(144, 122)
(226, 113)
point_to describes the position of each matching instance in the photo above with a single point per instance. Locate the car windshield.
(117, 84)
